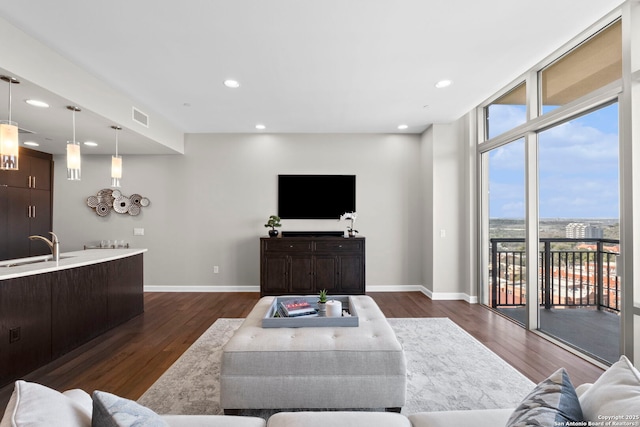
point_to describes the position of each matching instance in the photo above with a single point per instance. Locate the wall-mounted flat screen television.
(316, 196)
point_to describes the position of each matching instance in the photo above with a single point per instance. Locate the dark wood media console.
(304, 265)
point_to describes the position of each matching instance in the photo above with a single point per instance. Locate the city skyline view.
(578, 167)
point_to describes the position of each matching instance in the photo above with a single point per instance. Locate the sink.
(17, 263)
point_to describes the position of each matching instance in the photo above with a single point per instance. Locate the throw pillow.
(615, 394)
(110, 410)
(552, 402)
(33, 405)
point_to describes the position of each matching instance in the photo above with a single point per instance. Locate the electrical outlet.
(216, 270)
(138, 231)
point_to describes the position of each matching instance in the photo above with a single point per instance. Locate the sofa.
(612, 400)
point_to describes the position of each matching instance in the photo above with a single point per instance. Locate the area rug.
(447, 369)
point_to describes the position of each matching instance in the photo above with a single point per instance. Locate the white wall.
(34, 61)
(209, 205)
(446, 236)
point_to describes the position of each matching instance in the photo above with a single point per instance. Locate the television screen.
(316, 196)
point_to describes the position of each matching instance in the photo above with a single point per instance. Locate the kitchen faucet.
(54, 244)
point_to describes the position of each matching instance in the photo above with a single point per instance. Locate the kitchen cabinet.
(306, 265)
(44, 316)
(79, 306)
(25, 326)
(26, 205)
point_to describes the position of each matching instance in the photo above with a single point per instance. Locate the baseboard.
(202, 288)
(391, 288)
(443, 296)
(449, 296)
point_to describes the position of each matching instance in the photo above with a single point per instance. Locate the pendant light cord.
(73, 119)
(10, 83)
(117, 142)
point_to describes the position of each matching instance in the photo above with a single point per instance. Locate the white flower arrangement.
(352, 217)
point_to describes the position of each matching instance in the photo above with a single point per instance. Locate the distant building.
(579, 230)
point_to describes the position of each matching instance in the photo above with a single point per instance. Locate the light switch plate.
(138, 231)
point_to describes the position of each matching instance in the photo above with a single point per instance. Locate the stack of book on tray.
(296, 308)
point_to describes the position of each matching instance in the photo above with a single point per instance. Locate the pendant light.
(9, 148)
(73, 151)
(116, 163)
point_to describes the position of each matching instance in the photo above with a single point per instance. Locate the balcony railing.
(572, 273)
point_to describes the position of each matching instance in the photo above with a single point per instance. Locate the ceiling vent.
(140, 117)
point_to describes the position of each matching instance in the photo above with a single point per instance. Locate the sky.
(578, 167)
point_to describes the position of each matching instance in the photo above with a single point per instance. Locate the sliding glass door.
(579, 229)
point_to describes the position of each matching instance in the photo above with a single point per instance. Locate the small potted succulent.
(322, 303)
(273, 222)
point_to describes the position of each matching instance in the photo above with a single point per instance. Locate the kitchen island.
(48, 308)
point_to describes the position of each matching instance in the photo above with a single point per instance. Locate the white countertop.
(67, 260)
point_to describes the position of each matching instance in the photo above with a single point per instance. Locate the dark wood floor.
(127, 360)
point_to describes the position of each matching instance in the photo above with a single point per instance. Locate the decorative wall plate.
(135, 199)
(92, 201)
(134, 210)
(107, 200)
(103, 209)
(121, 204)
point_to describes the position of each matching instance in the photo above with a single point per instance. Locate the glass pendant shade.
(73, 161)
(9, 147)
(73, 150)
(116, 162)
(116, 170)
(9, 144)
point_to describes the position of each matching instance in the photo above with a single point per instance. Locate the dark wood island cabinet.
(46, 315)
(306, 265)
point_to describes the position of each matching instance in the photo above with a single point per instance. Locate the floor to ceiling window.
(506, 268)
(550, 174)
(579, 229)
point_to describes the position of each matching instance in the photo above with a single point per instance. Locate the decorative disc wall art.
(107, 200)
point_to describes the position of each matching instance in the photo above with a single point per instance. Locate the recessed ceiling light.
(403, 127)
(91, 144)
(37, 103)
(232, 83)
(260, 127)
(31, 144)
(443, 83)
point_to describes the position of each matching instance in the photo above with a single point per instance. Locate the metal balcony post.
(600, 279)
(494, 274)
(547, 275)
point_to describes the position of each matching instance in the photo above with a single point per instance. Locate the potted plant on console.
(322, 303)
(352, 217)
(273, 222)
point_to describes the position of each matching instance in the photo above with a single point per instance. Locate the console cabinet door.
(275, 275)
(351, 274)
(326, 273)
(301, 274)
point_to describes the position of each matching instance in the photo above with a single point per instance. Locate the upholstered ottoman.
(317, 367)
